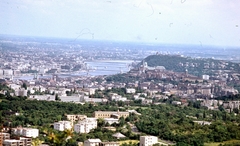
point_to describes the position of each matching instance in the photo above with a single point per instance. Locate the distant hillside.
(194, 66)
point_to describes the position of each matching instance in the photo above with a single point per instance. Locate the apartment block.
(148, 140)
(62, 125)
(86, 125)
(26, 132)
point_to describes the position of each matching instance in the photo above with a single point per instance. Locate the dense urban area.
(74, 93)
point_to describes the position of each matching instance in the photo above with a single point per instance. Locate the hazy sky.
(203, 22)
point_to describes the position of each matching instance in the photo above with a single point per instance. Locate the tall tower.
(145, 65)
(186, 72)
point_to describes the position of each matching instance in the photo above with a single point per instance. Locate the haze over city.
(119, 72)
(200, 22)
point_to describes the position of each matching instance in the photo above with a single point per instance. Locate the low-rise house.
(92, 142)
(115, 97)
(147, 101)
(43, 97)
(176, 103)
(109, 144)
(203, 122)
(130, 90)
(111, 120)
(118, 135)
(135, 97)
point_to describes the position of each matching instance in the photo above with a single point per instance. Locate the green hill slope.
(194, 66)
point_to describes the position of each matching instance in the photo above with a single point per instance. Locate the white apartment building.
(205, 77)
(22, 141)
(148, 140)
(92, 142)
(13, 142)
(131, 90)
(8, 72)
(62, 125)
(86, 125)
(26, 132)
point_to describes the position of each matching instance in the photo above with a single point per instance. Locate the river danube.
(93, 68)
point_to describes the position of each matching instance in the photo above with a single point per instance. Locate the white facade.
(27, 132)
(12, 142)
(92, 91)
(8, 72)
(205, 77)
(130, 90)
(110, 120)
(86, 125)
(30, 132)
(62, 125)
(148, 140)
(122, 99)
(176, 103)
(92, 142)
(115, 97)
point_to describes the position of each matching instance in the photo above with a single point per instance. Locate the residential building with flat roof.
(62, 125)
(26, 132)
(148, 140)
(3, 136)
(92, 142)
(86, 125)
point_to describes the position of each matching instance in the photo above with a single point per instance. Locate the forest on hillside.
(196, 67)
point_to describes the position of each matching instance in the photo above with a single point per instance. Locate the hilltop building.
(110, 114)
